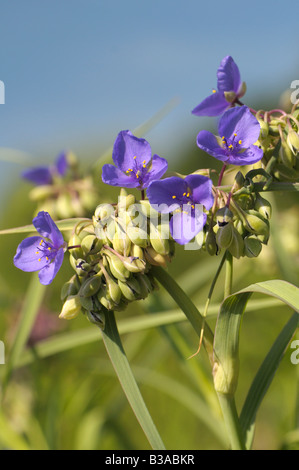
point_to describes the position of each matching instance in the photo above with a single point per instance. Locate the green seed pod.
(224, 236)
(211, 244)
(238, 224)
(70, 287)
(252, 247)
(113, 291)
(71, 308)
(159, 239)
(117, 267)
(263, 206)
(236, 247)
(90, 286)
(91, 244)
(224, 216)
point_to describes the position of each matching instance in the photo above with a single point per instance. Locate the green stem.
(31, 306)
(260, 187)
(187, 306)
(228, 407)
(228, 274)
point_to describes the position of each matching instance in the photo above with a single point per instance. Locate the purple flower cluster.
(41, 175)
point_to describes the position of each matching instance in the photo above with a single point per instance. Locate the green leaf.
(63, 225)
(126, 378)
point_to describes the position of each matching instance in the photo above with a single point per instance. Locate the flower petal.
(163, 193)
(213, 105)
(240, 121)
(61, 164)
(228, 75)
(158, 167)
(26, 257)
(115, 177)
(39, 175)
(251, 155)
(47, 228)
(126, 147)
(185, 225)
(48, 272)
(201, 187)
(208, 142)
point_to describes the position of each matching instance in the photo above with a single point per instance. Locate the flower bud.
(134, 265)
(239, 180)
(236, 247)
(255, 224)
(224, 236)
(286, 156)
(224, 216)
(91, 244)
(252, 246)
(159, 238)
(70, 287)
(127, 291)
(274, 127)
(293, 141)
(124, 202)
(103, 213)
(155, 258)
(245, 201)
(145, 285)
(103, 298)
(90, 286)
(64, 208)
(96, 318)
(41, 192)
(210, 243)
(117, 267)
(71, 308)
(242, 90)
(74, 241)
(113, 290)
(264, 129)
(263, 206)
(137, 235)
(121, 243)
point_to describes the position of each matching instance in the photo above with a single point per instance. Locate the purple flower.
(239, 130)
(44, 174)
(135, 166)
(42, 253)
(184, 198)
(230, 89)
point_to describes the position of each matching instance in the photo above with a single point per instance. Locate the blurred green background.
(75, 76)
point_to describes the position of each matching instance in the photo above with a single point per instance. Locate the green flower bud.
(211, 245)
(71, 308)
(255, 224)
(286, 156)
(103, 213)
(252, 247)
(74, 241)
(113, 291)
(293, 141)
(236, 247)
(245, 201)
(224, 236)
(64, 208)
(86, 302)
(121, 243)
(274, 127)
(238, 224)
(70, 287)
(137, 235)
(96, 318)
(159, 238)
(263, 206)
(147, 209)
(154, 258)
(145, 285)
(117, 267)
(242, 90)
(224, 216)
(239, 180)
(91, 244)
(90, 286)
(103, 298)
(79, 265)
(124, 202)
(134, 265)
(127, 291)
(264, 129)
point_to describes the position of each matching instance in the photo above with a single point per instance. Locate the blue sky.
(76, 72)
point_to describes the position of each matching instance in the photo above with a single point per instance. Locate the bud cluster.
(112, 255)
(279, 138)
(242, 228)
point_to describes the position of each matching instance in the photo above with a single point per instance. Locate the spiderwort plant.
(230, 89)
(239, 131)
(184, 198)
(42, 253)
(134, 165)
(42, 175)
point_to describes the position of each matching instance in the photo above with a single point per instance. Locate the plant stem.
(228, 274)
(228, 407)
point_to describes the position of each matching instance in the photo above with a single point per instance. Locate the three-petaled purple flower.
(42, 253)
(135, 166)
(239, 130)
(41, 175)
(184, 198)
(230, 89)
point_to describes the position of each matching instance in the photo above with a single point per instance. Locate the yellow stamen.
(37, 252)
(173, 197)
(235, 135)
(47, 258)
(135, 157)
(230, 146)
(39, 259)
(184, 194)
(192, 206)
(214, 91)
(41, 242)
(49, 248)
(188, 194)
(240, 142)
